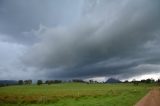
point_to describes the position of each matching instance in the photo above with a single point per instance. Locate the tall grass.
(73, 94)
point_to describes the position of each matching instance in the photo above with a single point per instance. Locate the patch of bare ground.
(151, 99)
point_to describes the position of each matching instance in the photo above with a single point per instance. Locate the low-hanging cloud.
(112, 38)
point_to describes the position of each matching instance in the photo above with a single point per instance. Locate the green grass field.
(73, 94)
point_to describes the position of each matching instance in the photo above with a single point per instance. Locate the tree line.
(49, 82)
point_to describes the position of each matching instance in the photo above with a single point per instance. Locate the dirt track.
(151, 99)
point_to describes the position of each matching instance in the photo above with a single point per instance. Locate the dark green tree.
(39, 82)
(20, 82)
(28, 82)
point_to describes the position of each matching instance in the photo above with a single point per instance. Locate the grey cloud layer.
(19, 17)
(82, 39)
(111, 38)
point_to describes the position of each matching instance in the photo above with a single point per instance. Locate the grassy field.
(73, 94)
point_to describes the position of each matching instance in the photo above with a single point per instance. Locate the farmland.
(73, 94)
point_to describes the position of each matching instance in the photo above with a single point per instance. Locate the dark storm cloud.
(19, 18)
(79, 39)
(19, 22)
(111, 38)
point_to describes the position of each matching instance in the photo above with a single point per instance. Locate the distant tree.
(158, 80)
(2, 85)
(126, 81)
(25, 81)
(28, 82)
(20, 82)
(150, 80)
(96, 82)
(135, 82)
(91, 81)
(143, 81)
(49, 82)
(78, 80)
(46, 82)
(57, 81)
(147, 80)
(39, 82)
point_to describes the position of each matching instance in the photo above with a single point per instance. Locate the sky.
(79, 39)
